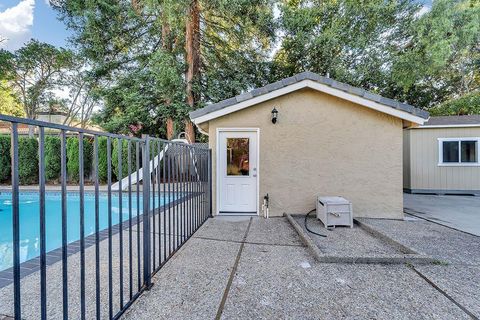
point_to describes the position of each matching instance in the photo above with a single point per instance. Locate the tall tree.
(390, 47)
(33, 71)
(192, 48)
(204, 39)
(350, 40)
(441, 59)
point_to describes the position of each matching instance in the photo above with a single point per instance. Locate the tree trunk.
(189, 131)
(169, 128)
(192, 48)
(167, 46)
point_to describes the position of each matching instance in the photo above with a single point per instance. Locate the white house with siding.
(442, 156)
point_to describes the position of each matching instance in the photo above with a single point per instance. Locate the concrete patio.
(256, 268)
(456, 211)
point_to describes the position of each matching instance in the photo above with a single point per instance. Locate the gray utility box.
(334, 211)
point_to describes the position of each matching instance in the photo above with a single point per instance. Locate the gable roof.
(453, 121)
(313, 81)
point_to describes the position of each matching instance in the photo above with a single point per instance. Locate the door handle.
(254, 175)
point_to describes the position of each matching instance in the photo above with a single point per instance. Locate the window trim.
(458, 164)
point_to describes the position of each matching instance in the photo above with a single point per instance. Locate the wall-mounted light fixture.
(274, 115)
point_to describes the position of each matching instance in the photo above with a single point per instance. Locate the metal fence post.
(147, 277)
(210, 207)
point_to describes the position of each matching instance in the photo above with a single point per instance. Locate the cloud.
(423, 10)
(16, 23)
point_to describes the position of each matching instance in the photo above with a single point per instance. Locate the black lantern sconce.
(274, 115)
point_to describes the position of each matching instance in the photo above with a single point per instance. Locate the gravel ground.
(191, 285)
(441, 242)
(459, 276)
(284, 283)
(345, 241)
(277, 278)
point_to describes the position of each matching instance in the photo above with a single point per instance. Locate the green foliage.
(73, 158)
(28, 160)
(124, 158)
(352, 41)
(441, 59)
(52, 157)
(5, 160)
(8, 102)
(140, 97)
(466, 105)
(389, 47)
(140, 51)
(33, 71)
(102, 159)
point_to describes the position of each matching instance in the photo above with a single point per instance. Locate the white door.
(237, 172)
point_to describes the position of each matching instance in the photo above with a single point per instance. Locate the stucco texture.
(323, 145)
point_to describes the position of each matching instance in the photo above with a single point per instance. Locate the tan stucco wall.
(424, 171)
(323, 145)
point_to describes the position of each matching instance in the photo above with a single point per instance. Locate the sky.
(21, 20)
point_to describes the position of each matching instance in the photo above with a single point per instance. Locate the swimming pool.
(30, 220)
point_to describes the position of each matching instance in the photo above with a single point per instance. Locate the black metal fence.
(88, 250)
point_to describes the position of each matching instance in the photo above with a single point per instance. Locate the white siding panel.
(424, 155)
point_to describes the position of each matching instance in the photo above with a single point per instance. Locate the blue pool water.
(30, 220)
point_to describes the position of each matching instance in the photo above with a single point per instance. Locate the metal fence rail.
(125, 235)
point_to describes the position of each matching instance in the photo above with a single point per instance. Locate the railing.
(95, 261)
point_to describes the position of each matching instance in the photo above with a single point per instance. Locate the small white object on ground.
(305, 265)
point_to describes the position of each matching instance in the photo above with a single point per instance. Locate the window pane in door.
(238, 156)
(469, 151)
(450, 151)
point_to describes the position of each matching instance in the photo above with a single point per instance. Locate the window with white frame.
(458, 151)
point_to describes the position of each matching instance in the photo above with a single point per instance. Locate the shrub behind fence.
(5, 158)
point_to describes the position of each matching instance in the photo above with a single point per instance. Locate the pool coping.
(33, 265)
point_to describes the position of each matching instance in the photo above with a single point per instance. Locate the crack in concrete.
(444, 293)
(249, 242)
(232, 274)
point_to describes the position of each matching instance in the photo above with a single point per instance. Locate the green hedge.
(102, 159)
(52, 157)
(72, 158)
(28, 160)
(5, 160)
(124, 158)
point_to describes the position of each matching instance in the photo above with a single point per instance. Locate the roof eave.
(199, 117)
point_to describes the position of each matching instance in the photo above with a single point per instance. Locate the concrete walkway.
(259, 269)
(459, 212)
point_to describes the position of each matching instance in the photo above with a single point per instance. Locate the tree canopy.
(162, 59)
(33, 71)
(147, 63)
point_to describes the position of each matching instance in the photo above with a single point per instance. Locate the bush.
(28, 160)
(102, 159)
(124, 158)
(5, 160)
(72, 158)
(52, 157)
